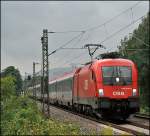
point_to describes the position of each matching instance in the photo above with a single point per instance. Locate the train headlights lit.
(101, 92)
(134, 92)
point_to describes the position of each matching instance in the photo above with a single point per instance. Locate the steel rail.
(138, 124)
(141, 115)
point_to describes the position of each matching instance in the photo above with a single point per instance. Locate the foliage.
(20, 116)
(7, 87)
(11, 71)
(145, 110)
(134, 49)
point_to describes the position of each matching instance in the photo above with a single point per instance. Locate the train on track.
(108, 87)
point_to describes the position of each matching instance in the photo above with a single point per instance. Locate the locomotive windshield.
(117, 75)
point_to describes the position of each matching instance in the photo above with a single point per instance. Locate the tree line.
(136, 48)
(11, 77)
(20, 115)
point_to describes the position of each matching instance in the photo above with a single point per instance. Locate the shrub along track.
(127, 126)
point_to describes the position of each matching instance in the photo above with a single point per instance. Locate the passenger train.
(108, 87)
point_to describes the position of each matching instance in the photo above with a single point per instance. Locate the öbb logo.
(118, 93)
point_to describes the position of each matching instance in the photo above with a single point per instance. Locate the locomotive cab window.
(117, 75)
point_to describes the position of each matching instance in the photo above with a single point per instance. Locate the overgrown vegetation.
(106, 131)
(7, 87)
(21, 116)
(11, 71)
(136, 47)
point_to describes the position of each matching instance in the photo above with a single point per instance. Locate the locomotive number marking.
(118, 93)
(126, 88)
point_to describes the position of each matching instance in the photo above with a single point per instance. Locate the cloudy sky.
(22, 24)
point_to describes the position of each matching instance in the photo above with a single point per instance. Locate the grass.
(145, 110)
(107, 131)
(20, 116)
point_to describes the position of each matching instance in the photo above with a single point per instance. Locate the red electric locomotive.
(106, 86)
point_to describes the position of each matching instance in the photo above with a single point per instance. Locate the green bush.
(7, 88)
(145, 110)
(20, 116)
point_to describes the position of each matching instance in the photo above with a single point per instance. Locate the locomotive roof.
(116, 60)
(109, 61)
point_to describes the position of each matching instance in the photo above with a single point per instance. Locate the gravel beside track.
(89, 123)
(86, 125)
(140, 115)
(135, 128)
(141, 122)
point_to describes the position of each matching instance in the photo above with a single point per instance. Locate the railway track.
(144, 116)
(127, 126)
(130, 127)
(138, 124)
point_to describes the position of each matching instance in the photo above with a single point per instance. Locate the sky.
(22, 24)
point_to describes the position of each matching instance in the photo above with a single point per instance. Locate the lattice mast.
(45, 70)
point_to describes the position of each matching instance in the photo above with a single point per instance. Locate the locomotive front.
(117, 88)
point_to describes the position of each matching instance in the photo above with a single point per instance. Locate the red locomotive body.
(107, 86)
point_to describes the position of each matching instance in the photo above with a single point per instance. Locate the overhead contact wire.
(66, 43)
(115, 33)
(108, 21)
(92, 28)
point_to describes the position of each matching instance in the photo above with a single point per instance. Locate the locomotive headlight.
(134, 92)
(101, 92)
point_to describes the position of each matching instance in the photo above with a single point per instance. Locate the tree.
(11, 71)
(7, 87)
(138, 52)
